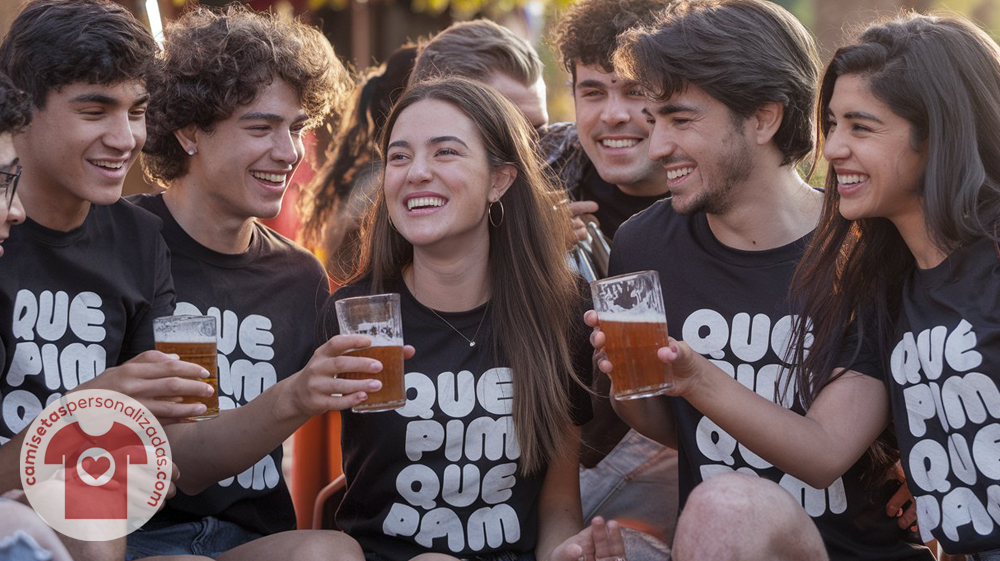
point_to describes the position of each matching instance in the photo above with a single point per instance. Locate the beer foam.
(382, 341)
(630, 317)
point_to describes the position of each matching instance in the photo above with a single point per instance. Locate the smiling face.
(78, 149)
(870, 149)
(703, 148)
(243, 165)
(438, 181)
(11, 212)
(613, 131)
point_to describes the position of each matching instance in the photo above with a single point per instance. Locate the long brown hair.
(943, 76)
(533, 293)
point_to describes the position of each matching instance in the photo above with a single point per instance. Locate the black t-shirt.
(731, 306)
(266, 301)
(946, 400)
(441, 473)
(74, 303)
(615, 206)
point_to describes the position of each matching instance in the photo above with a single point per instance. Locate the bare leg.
(746, 518)
(15, 516)
(301, 545)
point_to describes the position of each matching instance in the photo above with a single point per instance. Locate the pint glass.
(378, 317)
(193, 338)
(630, 310)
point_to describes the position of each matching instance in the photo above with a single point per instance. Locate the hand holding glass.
(630, 310)
(193, 339)
(378, 317)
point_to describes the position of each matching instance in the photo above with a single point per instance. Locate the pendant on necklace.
(472, 343)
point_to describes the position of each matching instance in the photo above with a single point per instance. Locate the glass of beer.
(378, 317)
(630, 310)
(193, 338)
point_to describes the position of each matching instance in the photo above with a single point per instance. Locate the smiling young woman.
(905, 258)
(463, 229)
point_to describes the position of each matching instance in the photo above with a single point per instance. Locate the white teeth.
(272, 177)
(108, 165)
(851, 179)
(424, 201)
(675, 173)
(628, 143)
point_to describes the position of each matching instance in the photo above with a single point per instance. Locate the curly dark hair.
(53, 43)
(215, 61)
(15, 107)
(587, 33)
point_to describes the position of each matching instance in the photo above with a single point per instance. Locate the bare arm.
(651, 416)
(559, 510)
(234, 441)
(152, 378)
(847, 416)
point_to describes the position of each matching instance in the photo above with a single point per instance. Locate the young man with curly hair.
(604, 157)
(83, 259)
(226, 123)
(604, 163)
(15, 114)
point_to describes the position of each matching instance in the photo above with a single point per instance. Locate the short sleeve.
(163, 301)
(859, 351)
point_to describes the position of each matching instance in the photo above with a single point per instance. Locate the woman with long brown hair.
(899, 282)
(482, 460)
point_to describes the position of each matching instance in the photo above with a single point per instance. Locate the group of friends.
(835, 352)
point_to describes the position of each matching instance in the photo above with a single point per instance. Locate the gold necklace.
(471, 342)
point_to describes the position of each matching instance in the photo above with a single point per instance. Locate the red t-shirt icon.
(105, 459)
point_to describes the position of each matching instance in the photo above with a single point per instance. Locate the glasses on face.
(8, 182)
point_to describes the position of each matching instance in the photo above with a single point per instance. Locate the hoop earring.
(489, 211)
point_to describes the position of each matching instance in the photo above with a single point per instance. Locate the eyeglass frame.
(10, 183)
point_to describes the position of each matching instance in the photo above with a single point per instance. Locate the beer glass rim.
(625, 277)
(391, 296)
(183, 318)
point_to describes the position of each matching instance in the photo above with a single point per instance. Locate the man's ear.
(503, 178)
(767, 120)
(188, 138)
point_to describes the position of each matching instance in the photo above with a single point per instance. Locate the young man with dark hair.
(731, 85)
(603, 158)
(86, 274)
(226, 127)
(604, 164)
(15, 114)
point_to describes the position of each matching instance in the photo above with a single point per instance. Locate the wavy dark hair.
(942, 75)
(15, 107)
(327, 224)
(534, 295)
(588, 32)
(215, 61)
(53, 43)
(707, 43)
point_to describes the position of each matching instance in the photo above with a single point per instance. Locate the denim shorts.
(209, 537)
(993, 555)
(21, 547)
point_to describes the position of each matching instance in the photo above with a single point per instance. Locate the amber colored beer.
(393, 393)
(631, 347)
(206, 356)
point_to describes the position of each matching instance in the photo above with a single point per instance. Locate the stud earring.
(191, 152)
